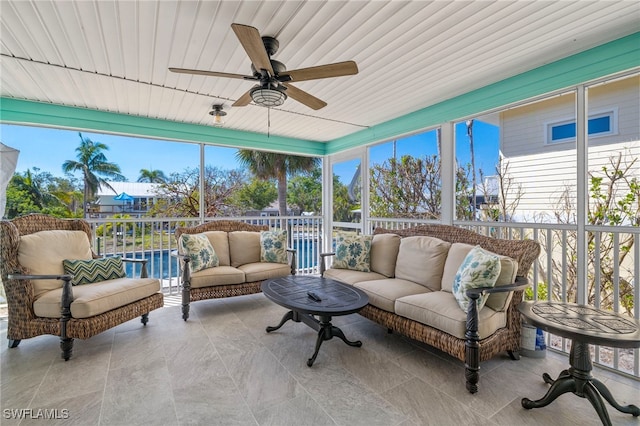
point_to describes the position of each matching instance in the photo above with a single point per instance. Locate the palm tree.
(33, 187)
(271, 165)
(93, 164)
(152, 176)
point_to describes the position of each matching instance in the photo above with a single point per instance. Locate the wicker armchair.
(19, 288)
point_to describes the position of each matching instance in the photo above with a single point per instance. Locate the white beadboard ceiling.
(114, 55)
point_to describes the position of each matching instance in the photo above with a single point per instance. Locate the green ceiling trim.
(16, 111)
(609, 58)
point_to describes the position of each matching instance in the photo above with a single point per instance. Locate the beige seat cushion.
(220, 275)
(42, 253)
(244, 247)
(384, 252)
(439, 309)
(264, 270)
(220, 242)
(383, 293)
(421, 260)
(97, 298)
(349, 276)
(508, 271)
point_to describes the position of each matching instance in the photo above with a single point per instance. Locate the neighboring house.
(138, 198)
(271, 210)
(538, 143)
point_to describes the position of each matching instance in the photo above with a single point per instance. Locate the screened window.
(565, 131)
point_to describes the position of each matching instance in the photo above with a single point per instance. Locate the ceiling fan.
(274, 81)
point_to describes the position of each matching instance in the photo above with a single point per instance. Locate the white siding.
(545, 170)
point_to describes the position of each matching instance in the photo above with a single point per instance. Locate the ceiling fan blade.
(252, 42)
(212, 73)
(304, 97)
(338, 69)
(244, 100)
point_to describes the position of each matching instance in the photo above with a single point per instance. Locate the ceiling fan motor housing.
(271, 45)
(278, 68)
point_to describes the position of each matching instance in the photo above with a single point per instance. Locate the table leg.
(335, 331)
(288, 316)
(578, 380)
(629, 409)
(591, 393)
(548, 380)
(328, 331)
(560, 385)
(321, 338)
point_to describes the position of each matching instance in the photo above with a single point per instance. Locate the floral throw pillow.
(93, 270)
(353, 252)
(273, 246)
(480, 268)
(200, 251)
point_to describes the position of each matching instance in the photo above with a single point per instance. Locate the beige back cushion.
(244, 247)
(421, 260)
(42, 253)
(384, 252)
(457, 253)
(220, 242)
(508, 271)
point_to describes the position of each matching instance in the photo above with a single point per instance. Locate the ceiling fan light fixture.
(218, 114)
(267, 97)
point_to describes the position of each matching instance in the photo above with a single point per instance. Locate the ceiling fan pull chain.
(268, 122)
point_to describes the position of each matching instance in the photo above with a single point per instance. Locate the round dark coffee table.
(310, 296)
(584, 325)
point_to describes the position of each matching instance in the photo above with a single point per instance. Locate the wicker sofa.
(40, 296)
(240, 270)
(410, 291)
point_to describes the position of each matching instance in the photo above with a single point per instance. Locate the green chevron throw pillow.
(94, 270)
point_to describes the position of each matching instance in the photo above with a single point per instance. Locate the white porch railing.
(611, 276)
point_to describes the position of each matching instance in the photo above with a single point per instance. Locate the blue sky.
(486, 147)
(47, 149)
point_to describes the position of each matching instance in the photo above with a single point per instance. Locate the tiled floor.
(221, 367)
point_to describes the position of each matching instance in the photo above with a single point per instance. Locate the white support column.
(582, 195)
(364, 196)
(201, 200)
(447, 173)
(327, 204)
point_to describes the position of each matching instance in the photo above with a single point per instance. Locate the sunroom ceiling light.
(217, 114)
(267, 97)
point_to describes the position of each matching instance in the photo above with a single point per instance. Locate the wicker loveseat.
(411, 294)
(40, 296)
(240, 270)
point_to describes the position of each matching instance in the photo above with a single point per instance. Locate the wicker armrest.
(64, 277)
(67, 291)
(473, 320)
(143, 268)
(184, 264)
(323, 265)
(520, 284)
(293, 263)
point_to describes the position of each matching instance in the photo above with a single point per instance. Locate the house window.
(600, 124)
